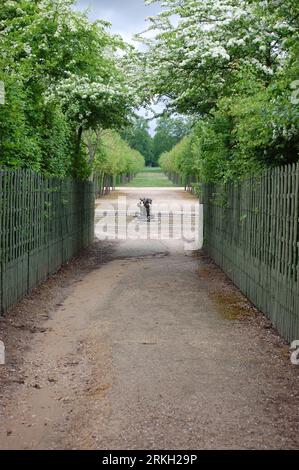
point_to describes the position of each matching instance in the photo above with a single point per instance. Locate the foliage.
(179, 159)
(63, 75)
(114, 156)
(169, 132)
(150, 179)
(138, 137)
(233, 65)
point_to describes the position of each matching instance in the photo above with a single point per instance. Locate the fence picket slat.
(32, 225)
(262, 255)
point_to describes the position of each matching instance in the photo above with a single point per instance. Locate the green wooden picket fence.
(44, 222)
(251, 230)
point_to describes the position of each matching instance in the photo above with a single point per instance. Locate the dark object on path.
(147, 203)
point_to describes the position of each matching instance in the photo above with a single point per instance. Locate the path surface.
(141, 344)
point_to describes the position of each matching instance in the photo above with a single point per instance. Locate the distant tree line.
(169, 131)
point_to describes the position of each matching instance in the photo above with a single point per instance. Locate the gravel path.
(143, 345)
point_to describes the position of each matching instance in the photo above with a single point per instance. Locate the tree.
(63, 76)
(115, 157)
(138, 137)
(233, 66)
(197, 61)
(169, 132)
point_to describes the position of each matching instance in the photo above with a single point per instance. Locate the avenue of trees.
(226, 70)
(116, 157)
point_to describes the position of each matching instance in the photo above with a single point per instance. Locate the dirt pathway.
(139, 345)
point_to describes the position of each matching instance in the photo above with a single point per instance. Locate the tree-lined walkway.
(142, 343)
(145, 346)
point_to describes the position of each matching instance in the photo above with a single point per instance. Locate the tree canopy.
(230, 67)
(169, 131)
(114, 156)
(233, 65)
(63, 75)
(138, 137)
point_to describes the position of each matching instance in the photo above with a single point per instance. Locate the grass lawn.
(150, 177)
(153, 169)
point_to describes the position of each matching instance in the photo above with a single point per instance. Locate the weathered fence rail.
(43, 223)
(251, 230)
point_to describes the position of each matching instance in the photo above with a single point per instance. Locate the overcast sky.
(128, 17)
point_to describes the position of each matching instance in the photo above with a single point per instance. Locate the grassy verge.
(150, 177)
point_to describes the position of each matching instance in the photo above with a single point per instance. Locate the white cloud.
(127, 17)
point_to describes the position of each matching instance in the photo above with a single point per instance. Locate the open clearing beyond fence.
(43, 223)
(251, 231)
